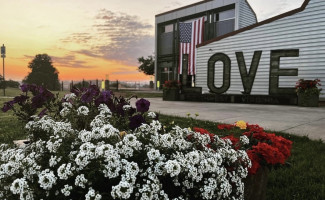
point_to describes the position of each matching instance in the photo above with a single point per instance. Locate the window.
(228, 14)
(167, 29)
(225, 22)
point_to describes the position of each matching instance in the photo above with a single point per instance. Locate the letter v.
(248, 79)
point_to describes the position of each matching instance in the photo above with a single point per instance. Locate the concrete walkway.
(300, 121)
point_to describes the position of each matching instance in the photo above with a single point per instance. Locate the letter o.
(226, 73)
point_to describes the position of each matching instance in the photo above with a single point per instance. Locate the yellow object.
(158, 84)
(103, 85)
(122, 133)
(241, 124)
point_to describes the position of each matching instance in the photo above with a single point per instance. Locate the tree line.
(44, 73)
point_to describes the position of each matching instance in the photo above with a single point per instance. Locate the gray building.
(221, 18)
(298, 36)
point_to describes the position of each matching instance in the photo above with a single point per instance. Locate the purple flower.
(47, 95)
(20, 99)
(33, 88)
(24, 88)
(75, 91)
(7, 106)
(38, 101)
(103, 98)
(136, 121)
(142, 105)
(91, 92)
(94, 90)
(87, 97)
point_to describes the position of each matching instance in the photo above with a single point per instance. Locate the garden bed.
(124, 124)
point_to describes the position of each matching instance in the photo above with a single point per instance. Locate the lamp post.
(3, 55)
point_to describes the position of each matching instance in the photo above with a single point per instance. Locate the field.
(303, 177)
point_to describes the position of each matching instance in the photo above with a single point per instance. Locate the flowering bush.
(98, 146)
(172, 84)
(42, 99)
(308, 87)
(264, 149)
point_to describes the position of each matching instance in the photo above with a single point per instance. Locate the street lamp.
(3, 55)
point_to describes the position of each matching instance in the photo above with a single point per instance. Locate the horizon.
(90, 41)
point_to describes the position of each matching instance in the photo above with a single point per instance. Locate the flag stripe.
(188, 43)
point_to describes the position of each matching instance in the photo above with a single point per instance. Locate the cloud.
(69, 61)
(116, 36)
(78, 38)
(124, 72)
(27, 57)
(129, 37)
(63, 61)
(87, 53)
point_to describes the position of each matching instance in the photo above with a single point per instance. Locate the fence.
(109, 85)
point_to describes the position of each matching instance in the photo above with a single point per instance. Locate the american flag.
(191, 34)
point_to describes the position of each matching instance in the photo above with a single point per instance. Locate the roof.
(289, 13)
(194, 4)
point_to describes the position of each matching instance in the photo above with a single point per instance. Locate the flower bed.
(171, 90)
(308, 92)
(97, 146)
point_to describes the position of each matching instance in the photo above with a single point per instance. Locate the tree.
(147, 65)
(8, 83)
(43, 73)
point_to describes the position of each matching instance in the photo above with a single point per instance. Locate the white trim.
(237, 15)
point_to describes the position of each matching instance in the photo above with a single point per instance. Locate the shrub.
(99, 147)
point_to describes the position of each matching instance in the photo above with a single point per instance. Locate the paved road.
(290, 119)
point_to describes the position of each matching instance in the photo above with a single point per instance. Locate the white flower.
(244, 139)
(82, 110)
(80, 181)
(67, 105)
(47, 179)
(173, 167)
(64, 112)
(66, 190)
(104, 110)
(126, 107)
(65, 170)
(166, 140)
(153, 154)
(108, 130)
(91, 193)
(122, 191)
(70, 96)
(54, 160)
(18, 186)
(85, 136)
(152, 115)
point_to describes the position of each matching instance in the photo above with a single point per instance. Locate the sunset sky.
(89, 39)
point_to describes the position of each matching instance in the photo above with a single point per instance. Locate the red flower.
(270, 154)
(203, 132)
(225, 126)
(255, 161)
(234, 141)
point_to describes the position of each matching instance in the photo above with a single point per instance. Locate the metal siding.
(200, 8)
(217, 4)
(194, 9)
(304, 31)
(190, 11)
(246, 15)
(169, 16)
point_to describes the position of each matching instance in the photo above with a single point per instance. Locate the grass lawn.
(303, 178)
